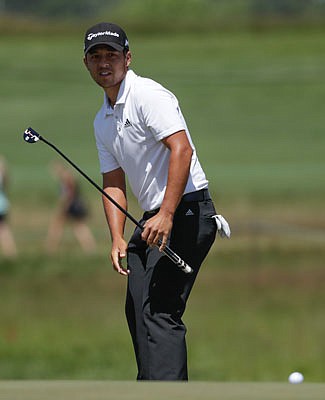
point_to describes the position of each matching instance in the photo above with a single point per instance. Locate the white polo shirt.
(129, 136)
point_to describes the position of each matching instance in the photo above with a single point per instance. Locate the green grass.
(255, 314)
(254, 105)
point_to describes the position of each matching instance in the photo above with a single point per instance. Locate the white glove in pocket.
(222, 226)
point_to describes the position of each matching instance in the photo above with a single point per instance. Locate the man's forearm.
(114, 217)
(178, 172)
(114, 185)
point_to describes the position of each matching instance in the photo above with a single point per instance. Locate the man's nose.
(104, 62)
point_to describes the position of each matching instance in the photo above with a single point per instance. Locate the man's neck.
(112, 94)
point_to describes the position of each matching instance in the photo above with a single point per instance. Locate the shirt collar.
(122, 93)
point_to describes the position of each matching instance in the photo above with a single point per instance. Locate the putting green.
(98, 390)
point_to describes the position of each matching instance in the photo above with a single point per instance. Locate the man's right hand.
(118, 253)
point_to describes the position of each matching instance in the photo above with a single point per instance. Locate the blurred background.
(250, 78)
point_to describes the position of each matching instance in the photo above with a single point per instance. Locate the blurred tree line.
(88, 8)
(148, 16)
(284, 7)
(54, 8)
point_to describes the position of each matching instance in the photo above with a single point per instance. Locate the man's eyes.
(107, 56)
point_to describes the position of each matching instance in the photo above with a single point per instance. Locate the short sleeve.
(107, 161)
(160, 110)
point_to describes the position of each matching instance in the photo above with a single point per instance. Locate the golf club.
(31, 136)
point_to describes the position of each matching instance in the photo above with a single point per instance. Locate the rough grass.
(255, 314)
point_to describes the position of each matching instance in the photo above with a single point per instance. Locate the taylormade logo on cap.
(106, 33)
(94, 35)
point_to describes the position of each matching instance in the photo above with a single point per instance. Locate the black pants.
(158, 290)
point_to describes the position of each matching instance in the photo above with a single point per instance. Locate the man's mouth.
(105, 73)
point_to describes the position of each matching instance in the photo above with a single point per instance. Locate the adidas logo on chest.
(127, 123)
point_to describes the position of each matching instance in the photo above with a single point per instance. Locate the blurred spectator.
(7, 242)
(71, 210)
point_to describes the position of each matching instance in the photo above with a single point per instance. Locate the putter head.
(31, 136)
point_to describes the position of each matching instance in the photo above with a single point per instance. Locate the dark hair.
(93, 49)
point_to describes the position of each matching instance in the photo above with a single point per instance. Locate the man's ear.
(85, 62)
(128, 58)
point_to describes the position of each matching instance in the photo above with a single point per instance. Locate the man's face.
(107, 66)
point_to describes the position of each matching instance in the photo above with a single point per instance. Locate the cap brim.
(115, 46)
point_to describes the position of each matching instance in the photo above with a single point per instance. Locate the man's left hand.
(158, 227)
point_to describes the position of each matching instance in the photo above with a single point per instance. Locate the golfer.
(7, 241)
(71, 210)
(141, 134)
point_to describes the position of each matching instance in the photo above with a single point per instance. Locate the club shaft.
(167, 250)
(116, 204)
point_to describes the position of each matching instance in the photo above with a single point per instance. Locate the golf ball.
(296, 377)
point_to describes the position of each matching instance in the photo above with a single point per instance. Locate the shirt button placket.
(116, 119)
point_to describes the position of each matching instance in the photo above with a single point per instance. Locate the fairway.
(82, 390)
